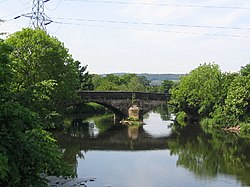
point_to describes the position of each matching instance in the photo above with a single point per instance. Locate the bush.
(245, 128)
(181, 118)
(26, 150)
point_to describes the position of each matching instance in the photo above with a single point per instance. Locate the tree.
(198, 92)
(245, 71)
(219, 117)
(107, 86)
(144, 81)
(40, 59)
(125, 79)
(5, 72)
(113, 78)
(86, 79)
(166, 85)
(26, 150)
(96, 80)
(126, 82)
(135, 85)
(237, 103)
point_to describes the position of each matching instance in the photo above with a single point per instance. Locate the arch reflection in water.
(125, 156)
(156, 127)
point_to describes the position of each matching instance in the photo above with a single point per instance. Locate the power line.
(155, 24)
(38, 18)
(163, 4)
(153, 30)
(14, 13)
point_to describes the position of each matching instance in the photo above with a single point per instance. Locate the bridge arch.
(110, 107)
(120, 102)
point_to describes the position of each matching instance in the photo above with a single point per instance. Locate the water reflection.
(133, 132)
(100, 133)
(156, 154)
(211, 154)
(93, 130)
(156, 127)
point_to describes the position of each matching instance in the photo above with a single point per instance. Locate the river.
(156, 154)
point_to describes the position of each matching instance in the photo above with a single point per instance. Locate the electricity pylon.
(38, 18)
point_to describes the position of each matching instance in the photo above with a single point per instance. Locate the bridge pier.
(135, 112)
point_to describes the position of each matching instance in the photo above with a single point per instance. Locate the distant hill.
(156, 79)
(162, 77)
(153, 77)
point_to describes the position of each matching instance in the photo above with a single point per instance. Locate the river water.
(156, 154)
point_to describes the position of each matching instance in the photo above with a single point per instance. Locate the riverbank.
(54, 181)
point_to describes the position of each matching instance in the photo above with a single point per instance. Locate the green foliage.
(42, 62)
(26, 103)
(96, 80)
(125, 79)
(113, 78)
(220, 99)
(5, 72)
(132, 119)
(4, 169)
(135, 85)
(198, 152)
(144, 81)
(26, 149)
(164, 112)
(245, 71)
(135, 123)
(237, 103)
(166, 86)
(133, 99)
(126, 82)
(90, 108)
(218, 119)
(107, 86)
(221, 116)
(199, 91)
(85, 79)
(245, 130)
(103, 122)
(180, 118)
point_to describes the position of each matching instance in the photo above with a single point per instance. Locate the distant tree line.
(127, 82)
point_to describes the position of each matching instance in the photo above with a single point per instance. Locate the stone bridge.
(120, 102)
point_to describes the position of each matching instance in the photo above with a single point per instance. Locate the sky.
(144, 36)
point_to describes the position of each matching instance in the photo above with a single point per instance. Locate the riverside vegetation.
(216, 99)
(38, 74)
